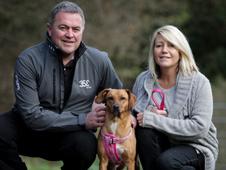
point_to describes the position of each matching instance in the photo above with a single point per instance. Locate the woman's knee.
(146, 136)
(172, 160)
(167, 161)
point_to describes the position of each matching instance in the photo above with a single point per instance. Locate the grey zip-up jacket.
(189, 119)
(39, 87)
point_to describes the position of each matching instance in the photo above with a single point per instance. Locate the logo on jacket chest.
(84, 84)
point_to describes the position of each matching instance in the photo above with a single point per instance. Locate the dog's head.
(116, 100)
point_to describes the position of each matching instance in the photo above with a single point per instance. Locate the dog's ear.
(101, 97)
(132, 99)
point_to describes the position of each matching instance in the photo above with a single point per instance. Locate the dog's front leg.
(131, 165)
(103, 164)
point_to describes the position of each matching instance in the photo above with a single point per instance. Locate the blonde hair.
(174, 36)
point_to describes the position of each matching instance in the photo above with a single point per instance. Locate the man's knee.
(79, 149)
(80, 144)
(8, 129)
(4, 166)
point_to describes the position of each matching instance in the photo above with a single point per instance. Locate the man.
(55, 85)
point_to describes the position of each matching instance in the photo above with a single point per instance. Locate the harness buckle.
(112, 141)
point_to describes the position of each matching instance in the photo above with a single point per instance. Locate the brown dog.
(116, 140)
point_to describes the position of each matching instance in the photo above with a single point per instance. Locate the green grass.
(41, 164)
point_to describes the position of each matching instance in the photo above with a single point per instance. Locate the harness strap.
(110, 141)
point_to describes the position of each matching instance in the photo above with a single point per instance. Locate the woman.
(175, 107)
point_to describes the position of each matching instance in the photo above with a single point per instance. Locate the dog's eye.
(122, 98)
(109, 98)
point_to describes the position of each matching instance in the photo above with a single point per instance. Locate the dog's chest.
(113, 126)
(119, 147)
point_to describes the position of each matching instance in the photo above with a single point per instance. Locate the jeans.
(77, 149)
(156, 152)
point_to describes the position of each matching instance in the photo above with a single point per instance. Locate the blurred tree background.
(123, 29)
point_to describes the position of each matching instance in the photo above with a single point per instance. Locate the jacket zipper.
(54, 86)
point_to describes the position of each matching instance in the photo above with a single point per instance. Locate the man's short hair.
(66, 6)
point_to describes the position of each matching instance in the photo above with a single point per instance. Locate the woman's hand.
(159, 112)
(140, 117)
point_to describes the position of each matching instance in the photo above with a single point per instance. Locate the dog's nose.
(116, 110)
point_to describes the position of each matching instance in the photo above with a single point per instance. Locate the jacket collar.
(52, 47)
(55, 49)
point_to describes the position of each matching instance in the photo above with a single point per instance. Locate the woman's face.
(165, 53)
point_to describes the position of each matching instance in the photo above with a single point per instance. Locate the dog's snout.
(116, 110)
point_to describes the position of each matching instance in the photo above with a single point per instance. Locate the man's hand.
(96, 117)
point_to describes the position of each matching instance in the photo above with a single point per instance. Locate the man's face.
(66, 32)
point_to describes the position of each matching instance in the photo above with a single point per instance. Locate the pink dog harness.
(110, 141)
